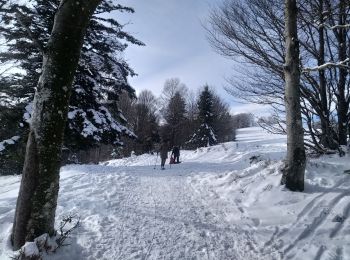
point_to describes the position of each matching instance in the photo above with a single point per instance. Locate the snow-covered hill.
(221, 202)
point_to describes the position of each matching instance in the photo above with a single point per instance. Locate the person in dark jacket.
(164, 147)
(176, 154)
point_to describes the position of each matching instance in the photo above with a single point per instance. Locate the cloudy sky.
(176, 46)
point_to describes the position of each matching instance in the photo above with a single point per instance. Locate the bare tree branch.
(334, 27)
(341, 64)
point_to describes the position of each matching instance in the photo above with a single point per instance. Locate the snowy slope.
(214, 205)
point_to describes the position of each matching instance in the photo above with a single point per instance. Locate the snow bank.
(221, 202)
(287, 225)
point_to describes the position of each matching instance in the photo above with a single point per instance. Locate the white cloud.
(255, 109)
(176, 46)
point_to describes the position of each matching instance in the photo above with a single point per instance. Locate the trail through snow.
(222, 202)
(150, 214)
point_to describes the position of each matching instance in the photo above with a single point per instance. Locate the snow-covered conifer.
(94, 117)
(205, 134)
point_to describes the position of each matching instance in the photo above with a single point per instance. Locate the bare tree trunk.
(327, 138)
(343, 105)
(293, 176)
(37, 199)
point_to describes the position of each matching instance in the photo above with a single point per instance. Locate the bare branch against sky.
(176, 46)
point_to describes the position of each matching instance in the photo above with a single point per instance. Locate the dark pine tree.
(145, 122)
(204, 135)
(94, 117)
(223, 123)
(12, 131)
(175, 117)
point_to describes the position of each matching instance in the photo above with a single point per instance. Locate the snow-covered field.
(214, 205)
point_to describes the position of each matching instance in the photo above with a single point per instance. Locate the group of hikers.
(163, 151)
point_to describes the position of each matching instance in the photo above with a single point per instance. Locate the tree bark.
(37, 199)
(327, 137)
(293, 176)
(343, 104)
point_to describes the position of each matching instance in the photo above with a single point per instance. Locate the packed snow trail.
(222, 202)
(151, 214)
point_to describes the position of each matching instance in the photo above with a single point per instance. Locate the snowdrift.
(221, 202)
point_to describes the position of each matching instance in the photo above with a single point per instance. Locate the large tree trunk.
(37, 199)
(327, 137)
(293, 176)
(343, 104)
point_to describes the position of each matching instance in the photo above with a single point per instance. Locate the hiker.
(176, 153)
(163, 153)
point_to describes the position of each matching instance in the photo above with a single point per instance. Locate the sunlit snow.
(221, 202)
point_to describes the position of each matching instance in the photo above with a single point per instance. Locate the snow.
(95, 123)
(30, 249)
(98, 117)
(28, 113)
(10, 141)
(221, 202)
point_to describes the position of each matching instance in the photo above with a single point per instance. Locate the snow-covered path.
(150, 214)
(217, 204)
(161, 217)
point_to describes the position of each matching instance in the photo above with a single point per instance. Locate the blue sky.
(176, 46)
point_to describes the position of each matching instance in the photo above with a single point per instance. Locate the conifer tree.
(175, 118)
(146, 122)
(204, 135)
(94, 117)
(13, 135)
